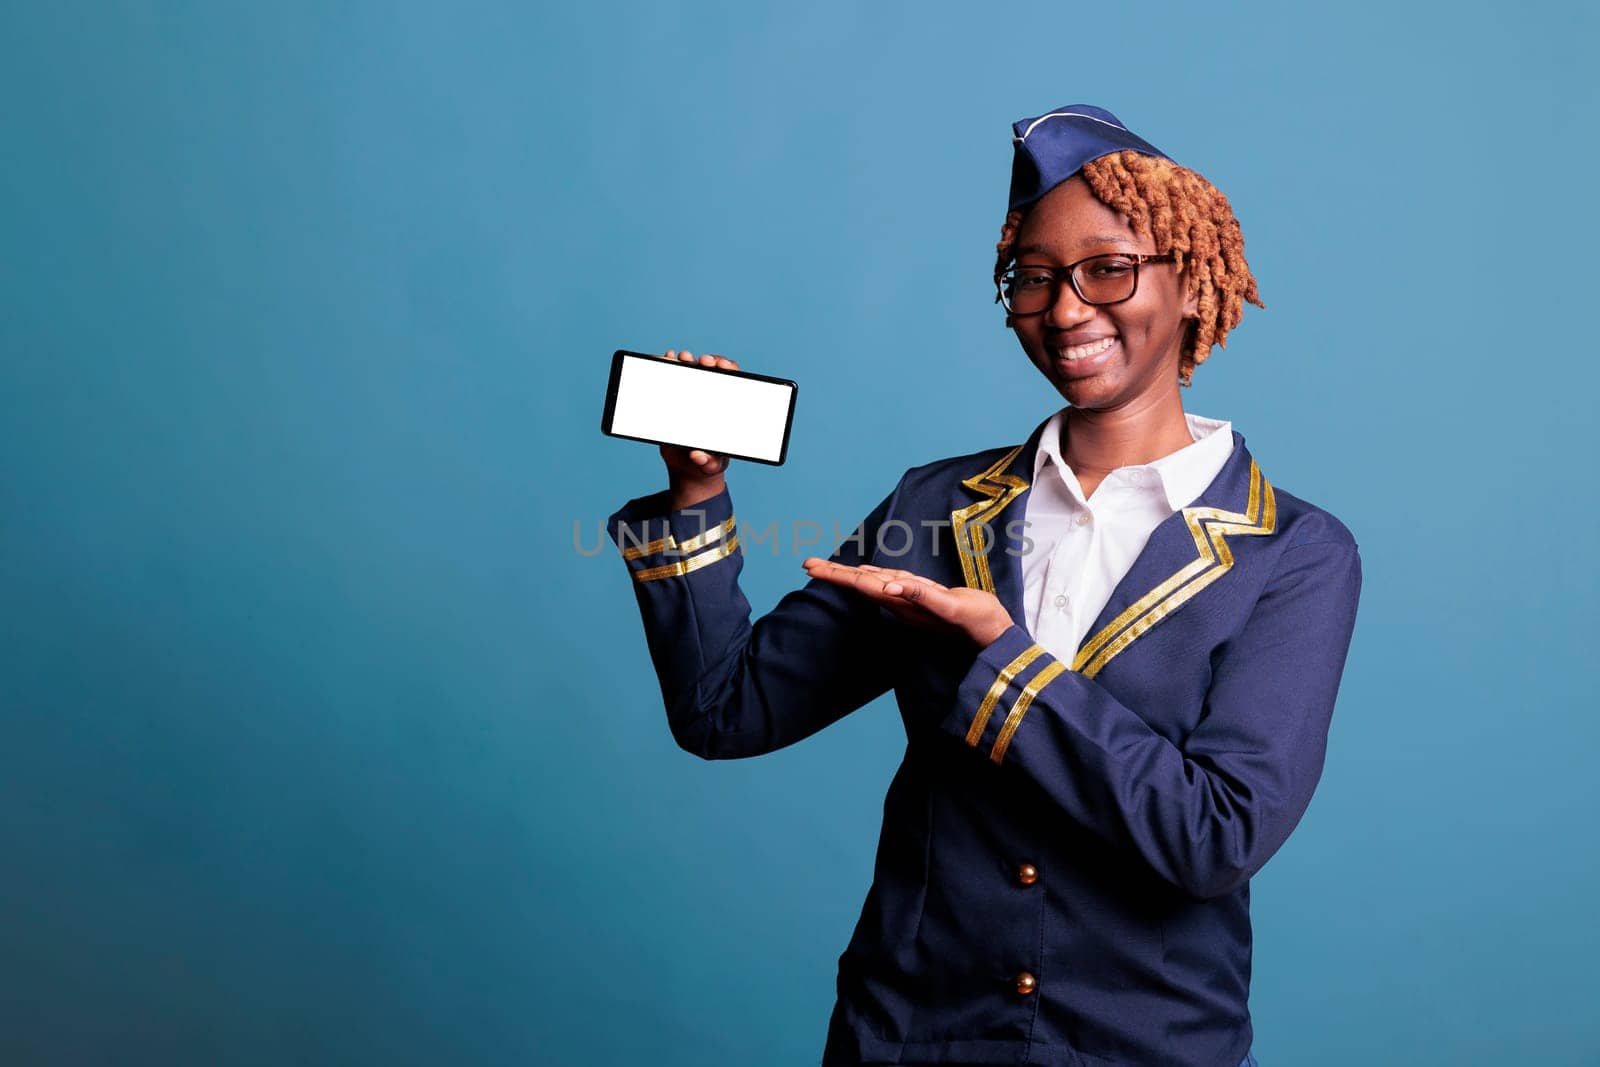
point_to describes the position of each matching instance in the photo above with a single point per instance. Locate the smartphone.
(669, 402)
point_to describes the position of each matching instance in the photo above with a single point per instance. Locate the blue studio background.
(326, 738)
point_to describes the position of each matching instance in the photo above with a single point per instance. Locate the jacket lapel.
(996, 495)
(1186, 553)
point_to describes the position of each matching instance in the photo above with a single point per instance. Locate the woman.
(1114, 715)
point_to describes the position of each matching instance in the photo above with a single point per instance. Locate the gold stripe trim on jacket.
(1208, 527)
(1001, 680)
(999, 490)
(690, 565)
(1020, 708)
(669, 544)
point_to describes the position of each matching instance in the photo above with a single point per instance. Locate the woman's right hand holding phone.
(694, 475)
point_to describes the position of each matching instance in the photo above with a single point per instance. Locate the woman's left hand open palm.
(920, 601)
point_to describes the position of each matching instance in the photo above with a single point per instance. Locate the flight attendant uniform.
(1062, 875)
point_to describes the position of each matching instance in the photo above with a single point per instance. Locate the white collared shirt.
(1083, 548)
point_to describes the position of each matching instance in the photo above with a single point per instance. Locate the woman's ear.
(1191, 296)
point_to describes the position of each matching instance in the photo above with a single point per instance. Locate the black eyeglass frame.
(1070, 273)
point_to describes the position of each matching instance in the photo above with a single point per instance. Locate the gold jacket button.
(1027, 874)
(1026, 983)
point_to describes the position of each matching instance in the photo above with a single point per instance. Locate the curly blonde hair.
(1187, 216)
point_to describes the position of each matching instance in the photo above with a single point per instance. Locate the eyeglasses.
(1110, 278)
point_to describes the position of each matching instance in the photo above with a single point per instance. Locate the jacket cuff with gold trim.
(659, 543)
(998, 690)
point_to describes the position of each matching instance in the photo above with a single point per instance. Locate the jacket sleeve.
(733, 689)
(1207, 815)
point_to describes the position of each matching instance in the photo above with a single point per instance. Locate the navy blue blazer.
(1063, 872)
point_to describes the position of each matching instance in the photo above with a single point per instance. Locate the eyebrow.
(1087, 242)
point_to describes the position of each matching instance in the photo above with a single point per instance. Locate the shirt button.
(1061, 601)
(1027, 873)
(1026, 983)
(1082, 519)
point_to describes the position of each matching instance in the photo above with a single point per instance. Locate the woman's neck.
(1095, 443)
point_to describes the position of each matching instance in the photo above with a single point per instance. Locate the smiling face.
(1104, 357)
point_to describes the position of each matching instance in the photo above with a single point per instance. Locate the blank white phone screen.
(667, 401)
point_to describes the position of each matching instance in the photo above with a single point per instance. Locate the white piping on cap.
(1071, 114)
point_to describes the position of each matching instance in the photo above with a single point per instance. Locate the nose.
(1068, 310)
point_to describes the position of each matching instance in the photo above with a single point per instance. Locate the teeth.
(1093, 348)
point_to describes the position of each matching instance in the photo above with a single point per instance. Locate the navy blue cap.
(1051, 148)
